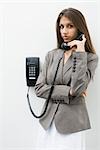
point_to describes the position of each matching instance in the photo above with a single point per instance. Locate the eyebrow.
(66, 24)
(70, 23)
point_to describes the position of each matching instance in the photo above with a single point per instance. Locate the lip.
(65, 37)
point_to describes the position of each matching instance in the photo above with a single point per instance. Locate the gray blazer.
(68, 112)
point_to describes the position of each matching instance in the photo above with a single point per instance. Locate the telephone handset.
(64, 45)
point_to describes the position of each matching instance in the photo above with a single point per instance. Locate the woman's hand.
(78, 46)
(83, 94)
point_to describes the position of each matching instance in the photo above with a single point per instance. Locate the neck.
(68, 52)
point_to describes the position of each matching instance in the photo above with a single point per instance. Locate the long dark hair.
(80, 23)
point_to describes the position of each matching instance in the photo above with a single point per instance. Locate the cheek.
(61, 31)
(73, 32)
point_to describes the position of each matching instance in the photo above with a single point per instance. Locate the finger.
(84, 93)
(72, 43)
(83, 37)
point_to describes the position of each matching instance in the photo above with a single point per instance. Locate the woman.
(66, 116)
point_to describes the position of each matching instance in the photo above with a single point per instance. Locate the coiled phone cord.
(50, 93)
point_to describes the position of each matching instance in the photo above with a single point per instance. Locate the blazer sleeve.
(84, 65)
(42, 89)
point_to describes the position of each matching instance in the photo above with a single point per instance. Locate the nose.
(65, 30)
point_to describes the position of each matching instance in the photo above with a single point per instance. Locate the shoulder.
(92, 60)
(52, 53)
(92, 57)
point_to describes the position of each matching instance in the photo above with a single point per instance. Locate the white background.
(28, 29)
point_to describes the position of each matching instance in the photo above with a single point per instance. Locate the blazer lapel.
(57, 58)
(67, 65)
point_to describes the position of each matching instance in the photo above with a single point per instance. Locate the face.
(67, 29)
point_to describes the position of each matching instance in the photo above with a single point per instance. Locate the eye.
(70, 26)
(61, 26)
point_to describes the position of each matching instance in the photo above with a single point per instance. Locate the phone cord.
(47, 102)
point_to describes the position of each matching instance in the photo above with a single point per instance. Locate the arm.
(42, 89)
(84, 66)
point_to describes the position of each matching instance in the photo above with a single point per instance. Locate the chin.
(66, 40)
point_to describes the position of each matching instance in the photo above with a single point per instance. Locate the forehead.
(65, 20)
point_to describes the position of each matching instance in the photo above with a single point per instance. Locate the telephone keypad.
(32, 72)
